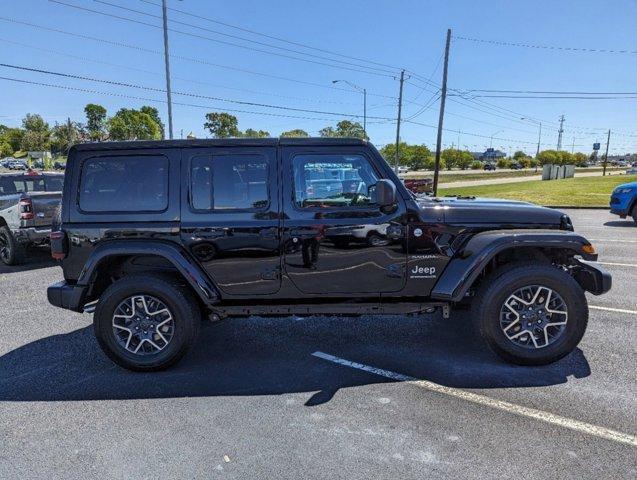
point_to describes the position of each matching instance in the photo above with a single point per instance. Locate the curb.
(576, 207)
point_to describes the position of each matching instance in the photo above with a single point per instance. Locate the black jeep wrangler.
(156, 235)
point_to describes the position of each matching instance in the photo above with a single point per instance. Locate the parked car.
(59, 165)
(155, 235)
(516, 166)
(28, 204)
(489, 166)
(623, 200)
(419, 185)
(403, 169)
(17, 165)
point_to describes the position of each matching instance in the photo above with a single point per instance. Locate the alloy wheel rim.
(534, 317)
(143, 325)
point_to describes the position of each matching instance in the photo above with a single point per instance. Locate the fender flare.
(177, 256)
(462, 271)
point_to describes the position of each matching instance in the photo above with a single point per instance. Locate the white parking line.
(611, 240)
(547, 417)
(610, 309)
(617, 264)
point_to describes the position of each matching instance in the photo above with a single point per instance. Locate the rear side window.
(54, 184)
(132, 183)
(229, 182)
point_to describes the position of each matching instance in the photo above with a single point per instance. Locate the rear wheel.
(376, 240)
(10, 249)
(531, 314)
(146, 323)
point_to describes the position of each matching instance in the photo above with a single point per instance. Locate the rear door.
(230, 216)
(337, 241)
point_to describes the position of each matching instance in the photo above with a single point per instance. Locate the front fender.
(471, 260)
(189, 269)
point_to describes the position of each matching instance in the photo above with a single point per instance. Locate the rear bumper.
(39, 235)
(70, 297)
(593, 278)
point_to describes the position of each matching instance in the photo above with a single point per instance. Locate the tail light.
(59, 245)
(26, 209)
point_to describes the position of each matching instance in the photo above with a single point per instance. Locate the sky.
(224, 53)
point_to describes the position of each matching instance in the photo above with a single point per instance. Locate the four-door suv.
(154, 235)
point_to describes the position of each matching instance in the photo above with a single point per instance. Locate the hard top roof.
(217, 142)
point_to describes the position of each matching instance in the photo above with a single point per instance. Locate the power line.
(178, 22)
(223, 42)
(187, 94)
(150, 72)
(272, 37)
(184, 58)
(545, 92)
(544, 47)
(557, 97)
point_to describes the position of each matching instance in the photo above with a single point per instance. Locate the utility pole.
(360, 89)
(559, 134)
(400, 107)
(606, 156)
(167, 62)
(443, 97)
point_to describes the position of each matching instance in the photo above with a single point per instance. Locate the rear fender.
(474, 257)
(187, 267)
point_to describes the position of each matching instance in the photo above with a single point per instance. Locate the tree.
(6, 150)
(13, 136)
(222, 125)
(580, 159)
(548, 157)
(95, 121)
(153, 113)
(131, 124)
(36, 135)
(503, 163)
(455, 158)
(296, 133)
(250, 133)
(64, 136)
(344, 128)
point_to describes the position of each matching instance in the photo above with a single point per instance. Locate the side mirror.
(385, 193)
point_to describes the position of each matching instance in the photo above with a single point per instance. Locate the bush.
(476, 165)
(504, 163)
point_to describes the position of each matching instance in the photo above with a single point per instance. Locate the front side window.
(131, 183)
(229, 182)
(333, 180)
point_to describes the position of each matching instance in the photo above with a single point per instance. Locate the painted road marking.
(611, 240)
(617, 264)
(547, 417)
(610, 309)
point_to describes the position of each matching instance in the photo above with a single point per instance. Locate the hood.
(632, 185)
(469, 210)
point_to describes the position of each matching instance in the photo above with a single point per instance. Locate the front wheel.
(531, 314)
(146, 323)
(634, 213)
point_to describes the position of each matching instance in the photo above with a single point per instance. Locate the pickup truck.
(28, 204)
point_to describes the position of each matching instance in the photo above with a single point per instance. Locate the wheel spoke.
(541, 315)
(148, 323)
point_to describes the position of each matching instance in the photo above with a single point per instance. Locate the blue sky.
(398, 33)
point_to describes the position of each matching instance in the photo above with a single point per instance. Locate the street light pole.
(493, 135)
(360, 89)
(164, 9)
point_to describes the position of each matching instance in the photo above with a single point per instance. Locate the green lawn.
(581, 192)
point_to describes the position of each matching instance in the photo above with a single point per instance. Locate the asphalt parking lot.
(384, 397)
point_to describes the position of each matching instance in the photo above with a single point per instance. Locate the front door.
(336, 240)
(230, 216)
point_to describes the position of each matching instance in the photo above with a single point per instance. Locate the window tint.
(54, 184)
(333, 180)
(124, 184)
(229, 182)
(13, 185)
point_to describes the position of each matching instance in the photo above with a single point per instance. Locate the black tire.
(180, 303)
(341, 242)
(11, 252)
(634, 213)
(497, 289)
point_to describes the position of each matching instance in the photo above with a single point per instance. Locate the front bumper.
(70, 297)
(620, 204)
(38, 235)
(593, 278)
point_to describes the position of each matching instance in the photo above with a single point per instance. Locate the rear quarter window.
(131, 183)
